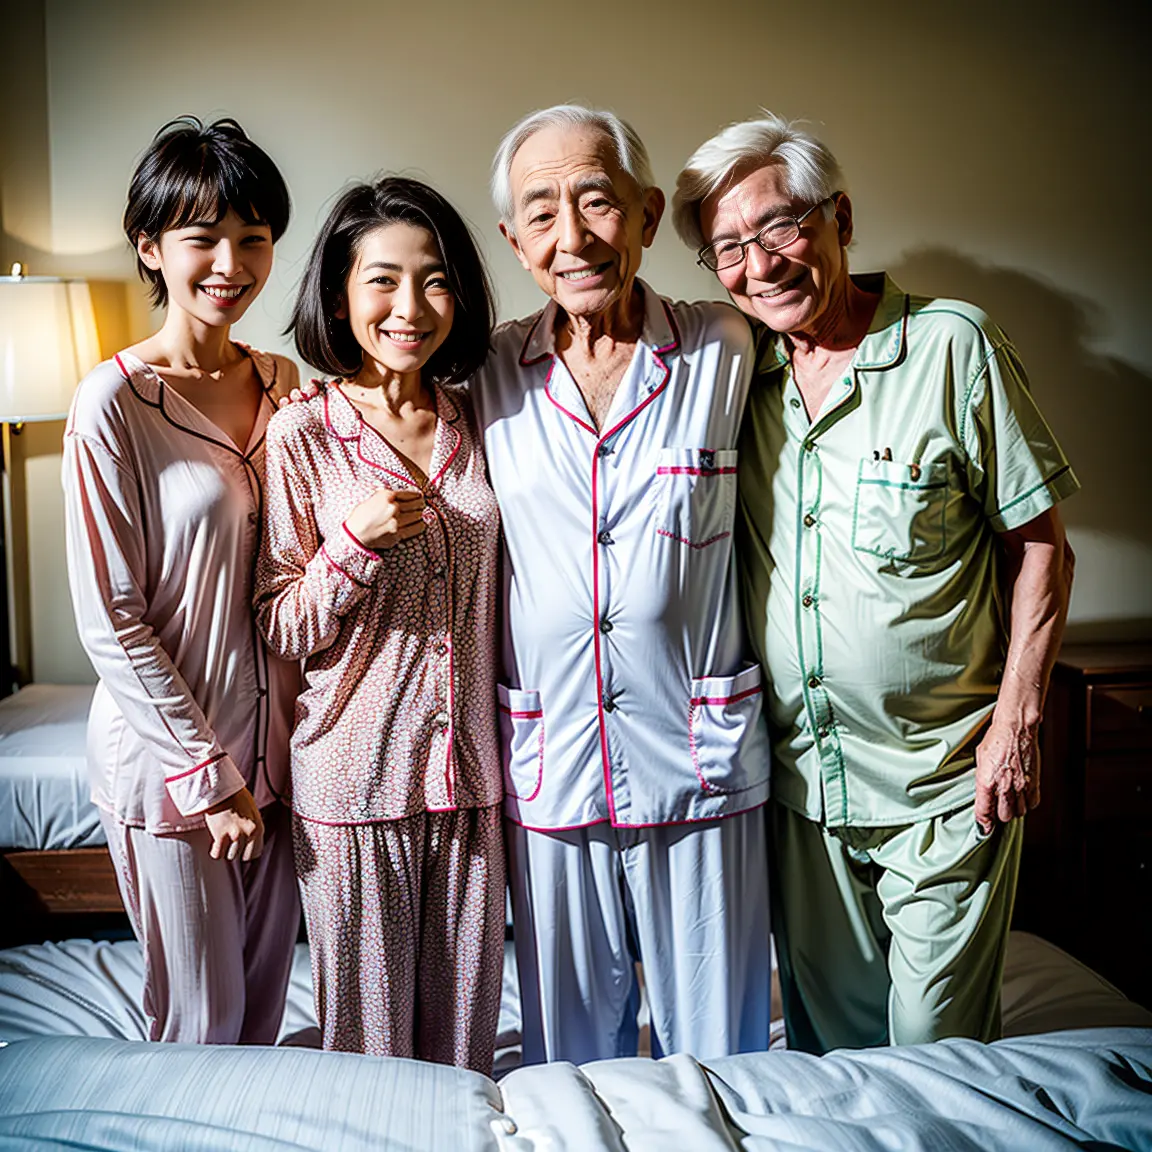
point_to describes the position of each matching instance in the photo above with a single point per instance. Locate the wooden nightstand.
(1086, 873)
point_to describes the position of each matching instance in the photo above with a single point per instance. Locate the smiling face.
(398, 301)
(212, 272)
(580, 222)
(792, 289)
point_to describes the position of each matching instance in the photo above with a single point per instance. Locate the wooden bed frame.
(52, 895)
(61, 880)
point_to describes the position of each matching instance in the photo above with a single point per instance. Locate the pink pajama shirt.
(163, 526)
(395, 768)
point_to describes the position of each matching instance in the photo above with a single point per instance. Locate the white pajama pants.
(217, 935)
(689, 902)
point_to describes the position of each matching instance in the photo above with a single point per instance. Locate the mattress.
(44, 795)
(1061, 1092)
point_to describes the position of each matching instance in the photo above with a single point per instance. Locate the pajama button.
(442, 719)
(605, 626)
(813, 681)
(609, 704)
(809, 520)
(604, 537)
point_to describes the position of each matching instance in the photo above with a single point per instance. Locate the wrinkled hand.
(306, 391)
(1007, 774)
(236, 827)
(387, 517)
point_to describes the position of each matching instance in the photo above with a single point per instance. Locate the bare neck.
(184, 344)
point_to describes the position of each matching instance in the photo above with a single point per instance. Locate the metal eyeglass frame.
(744, 245)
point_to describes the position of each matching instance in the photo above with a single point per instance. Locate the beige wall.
(993, 151)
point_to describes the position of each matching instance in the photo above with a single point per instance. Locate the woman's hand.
(387, 517)
(236, 827)
(306, 391)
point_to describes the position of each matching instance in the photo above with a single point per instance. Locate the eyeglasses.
(778, 233)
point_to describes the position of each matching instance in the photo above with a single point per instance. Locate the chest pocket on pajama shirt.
(900, 510)
(696, 495)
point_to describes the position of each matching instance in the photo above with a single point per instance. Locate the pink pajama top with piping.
(163, 525)
(397, 715)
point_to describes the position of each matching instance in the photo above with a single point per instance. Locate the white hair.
(630, 150)
(811, 172)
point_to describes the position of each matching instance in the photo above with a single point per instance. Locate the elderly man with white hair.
(637, 759)
(906, 579)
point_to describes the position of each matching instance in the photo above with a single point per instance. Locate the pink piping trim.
(724, 699)
(596, 614)
(677, 471)
(373, 819)
(120, 364)
(198, 768)
(538, 714)
(451, 456)
(359, 543)
(693, 704)
(659, 824)
(692, 543)
(343, 572)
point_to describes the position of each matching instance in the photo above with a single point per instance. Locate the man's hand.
(306, 391)
(236, 827)
(1007, 774)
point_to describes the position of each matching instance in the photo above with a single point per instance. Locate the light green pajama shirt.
(870, 565)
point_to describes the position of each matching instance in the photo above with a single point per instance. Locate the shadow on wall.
(1099, 406)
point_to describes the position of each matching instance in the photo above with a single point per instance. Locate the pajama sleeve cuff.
(203, 785)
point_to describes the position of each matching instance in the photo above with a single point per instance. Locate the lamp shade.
(47, 343)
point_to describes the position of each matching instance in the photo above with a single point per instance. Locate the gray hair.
(630, 150)
(811, 172)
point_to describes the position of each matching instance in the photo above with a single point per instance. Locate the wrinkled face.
(212, 271)
(792, 289)
(398, 300)
(580, 222)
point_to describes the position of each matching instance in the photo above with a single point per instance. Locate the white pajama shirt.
(629, 699)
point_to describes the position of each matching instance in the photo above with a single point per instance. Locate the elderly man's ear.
(510, 236)
(844, 219)
(653, 211)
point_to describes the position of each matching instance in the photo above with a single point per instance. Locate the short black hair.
(192, 173)
(327, 343)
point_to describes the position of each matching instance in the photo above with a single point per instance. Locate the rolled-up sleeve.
(305, 585)
(106, 569)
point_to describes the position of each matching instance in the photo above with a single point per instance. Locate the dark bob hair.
(327, 343)
(193, 174)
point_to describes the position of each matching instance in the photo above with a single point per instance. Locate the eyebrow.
(759, 223)
(540, 192)
(549, 191)
(435, 266)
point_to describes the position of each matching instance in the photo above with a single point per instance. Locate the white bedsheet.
(1055, 1093)
(44, 794)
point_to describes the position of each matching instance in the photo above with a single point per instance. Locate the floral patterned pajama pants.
(406, 925)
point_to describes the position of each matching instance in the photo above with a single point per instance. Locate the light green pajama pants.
(891, 935)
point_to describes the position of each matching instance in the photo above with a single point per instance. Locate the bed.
(51, 842)
(1074, 1071)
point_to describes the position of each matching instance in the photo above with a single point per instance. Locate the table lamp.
(48, 342)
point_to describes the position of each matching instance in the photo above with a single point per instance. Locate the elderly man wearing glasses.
(906, 579)
(636, 752)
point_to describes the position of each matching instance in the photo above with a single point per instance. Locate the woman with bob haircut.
(163, 473)
(378, 570)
